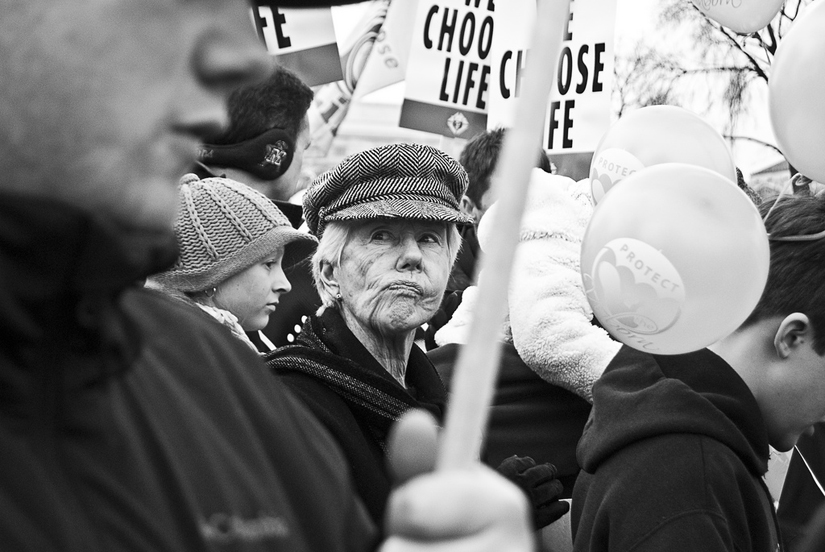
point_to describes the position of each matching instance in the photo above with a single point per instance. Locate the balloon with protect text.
(674, 259)
(652, 135)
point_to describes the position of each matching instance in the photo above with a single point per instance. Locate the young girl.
(233, 244)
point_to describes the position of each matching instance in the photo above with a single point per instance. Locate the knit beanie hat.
(223, 227)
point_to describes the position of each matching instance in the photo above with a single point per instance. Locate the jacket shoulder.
(666, 491)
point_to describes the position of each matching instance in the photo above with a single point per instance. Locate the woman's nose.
(410, 255)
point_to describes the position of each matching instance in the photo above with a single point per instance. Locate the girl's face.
(253, 294)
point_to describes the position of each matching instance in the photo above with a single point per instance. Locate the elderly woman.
(232, 242)
(386, 220)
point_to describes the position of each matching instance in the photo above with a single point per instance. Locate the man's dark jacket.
(672, 459)
(129, 421)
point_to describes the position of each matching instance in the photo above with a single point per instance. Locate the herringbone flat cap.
(394, 181)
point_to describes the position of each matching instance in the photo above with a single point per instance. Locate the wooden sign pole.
(477, 366)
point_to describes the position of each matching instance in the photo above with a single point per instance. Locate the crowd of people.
(193, 362)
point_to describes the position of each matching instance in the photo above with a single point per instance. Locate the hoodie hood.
(641, 396)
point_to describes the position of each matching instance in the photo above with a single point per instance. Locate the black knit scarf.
(328, 351)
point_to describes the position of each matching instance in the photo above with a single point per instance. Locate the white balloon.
(609, 167)
(742, 16)
(795, 93)
(674, 258)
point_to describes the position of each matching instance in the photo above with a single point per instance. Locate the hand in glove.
(540, 485)
(472, 509)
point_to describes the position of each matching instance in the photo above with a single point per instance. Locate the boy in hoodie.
(674, 454)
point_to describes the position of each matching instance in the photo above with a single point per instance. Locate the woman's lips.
(406, 286)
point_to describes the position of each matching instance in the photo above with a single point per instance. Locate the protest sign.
(578, 110)
(332, 101)
(448, 70)
(301, 39)
(387, 63)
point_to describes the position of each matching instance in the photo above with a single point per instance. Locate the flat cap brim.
(400, 207)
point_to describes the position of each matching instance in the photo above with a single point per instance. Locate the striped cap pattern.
(223, 227)
(394, 181)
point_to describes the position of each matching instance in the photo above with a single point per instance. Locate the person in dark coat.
(674, 453)
(552, 352)
(129, 421)
(386, 222)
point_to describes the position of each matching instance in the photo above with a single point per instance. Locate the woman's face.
(253, 294)
(393, 273)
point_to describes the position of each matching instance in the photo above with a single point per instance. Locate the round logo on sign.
(610, 167)
(635, 288)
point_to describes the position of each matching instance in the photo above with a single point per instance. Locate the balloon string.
(767, 53)
(818, 484)
(784, 191)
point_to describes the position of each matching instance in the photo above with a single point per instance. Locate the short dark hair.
(280, 101)
(795, 279)
(479, 158)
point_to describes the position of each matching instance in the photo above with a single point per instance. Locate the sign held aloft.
(448, 72)
(578, 110)
(302, 39)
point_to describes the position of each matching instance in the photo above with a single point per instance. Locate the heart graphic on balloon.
(635, 288)
(609, 167)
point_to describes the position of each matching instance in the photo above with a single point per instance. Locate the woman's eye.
(430, 238)
(380, 235)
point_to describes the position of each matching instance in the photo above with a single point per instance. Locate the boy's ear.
(794, 330)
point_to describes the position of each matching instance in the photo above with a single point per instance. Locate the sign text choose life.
(467, 33)
(588, 74)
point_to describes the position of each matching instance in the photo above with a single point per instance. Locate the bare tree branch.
(756, 66)
(754, 140)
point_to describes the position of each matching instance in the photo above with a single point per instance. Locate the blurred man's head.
(268, 132)
(479, 158)
(103, 102)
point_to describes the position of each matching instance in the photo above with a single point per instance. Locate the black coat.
(672, 458)
(131, 421)
(355, 397)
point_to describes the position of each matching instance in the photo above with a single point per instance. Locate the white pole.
(477, 365)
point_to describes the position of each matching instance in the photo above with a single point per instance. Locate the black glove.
(540, 485)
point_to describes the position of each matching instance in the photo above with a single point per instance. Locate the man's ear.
(794, 331)
(328, 277)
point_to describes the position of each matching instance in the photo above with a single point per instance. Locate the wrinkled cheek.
(432, 300)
